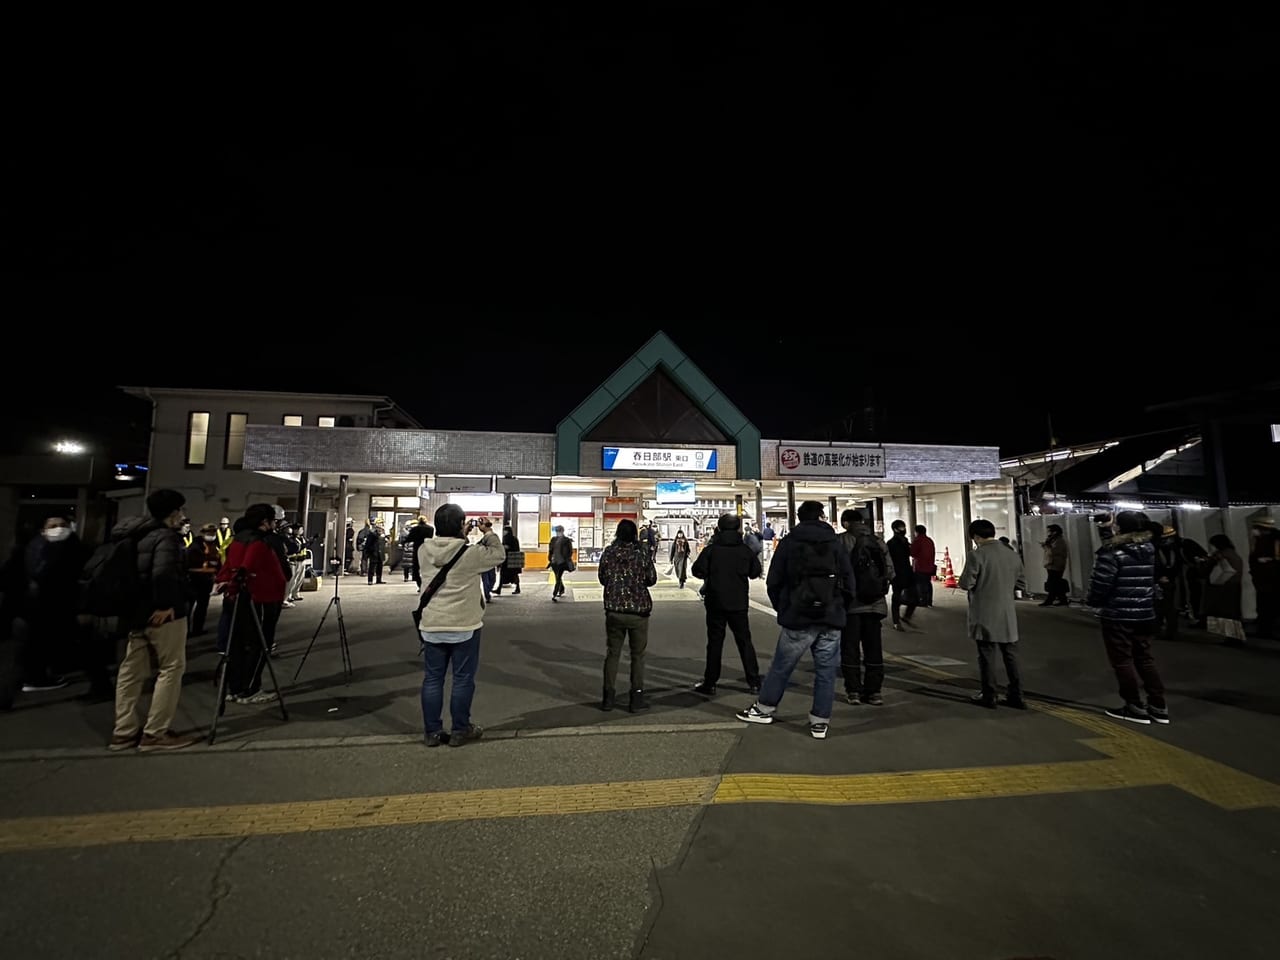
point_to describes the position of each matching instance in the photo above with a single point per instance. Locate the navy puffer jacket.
(1123, 586)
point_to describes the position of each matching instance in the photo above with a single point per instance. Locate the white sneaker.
(818, 731)
(753, 714)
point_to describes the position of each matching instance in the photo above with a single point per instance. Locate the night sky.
(982, 220)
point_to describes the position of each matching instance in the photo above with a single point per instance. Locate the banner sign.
(675, 459)
(830, 460)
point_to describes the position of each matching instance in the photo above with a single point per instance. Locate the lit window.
(197, 439)
(327, 421)
(292, 420)
(234, 458)
(1275, 433)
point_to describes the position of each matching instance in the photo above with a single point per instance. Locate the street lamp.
(69, 446)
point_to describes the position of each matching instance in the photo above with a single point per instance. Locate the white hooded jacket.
(458, 605)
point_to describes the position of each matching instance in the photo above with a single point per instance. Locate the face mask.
(209, 537)
(54, 534)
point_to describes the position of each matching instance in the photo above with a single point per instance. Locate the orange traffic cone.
(948, 572)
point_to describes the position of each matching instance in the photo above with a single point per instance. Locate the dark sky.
(984, 219)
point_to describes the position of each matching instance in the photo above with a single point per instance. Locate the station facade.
(657, 441)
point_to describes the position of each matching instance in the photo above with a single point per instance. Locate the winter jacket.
(924, 556)
(1123, 585)
(459, 603)
(849, 539)
(784, 574)
(725, 565)
(162, 568)
(252, 551)
(900, 551)
(559, 551)
(992, 575)
(627, 573)
(1056, 554)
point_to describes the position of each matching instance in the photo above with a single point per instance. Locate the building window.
(292, 420)
(327, 421)
(197, 438)
(234, 458)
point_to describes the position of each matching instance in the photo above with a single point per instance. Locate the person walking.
(809, 578)
(860, 641)
(1122, 589)
(725, 566)
(991, 575)
(560, 560)
(680, 557)
(418, 532)
(904, 578)
(374, 546)
(451, 623)
(1057, 554)
(626, 572)
(1224, 579)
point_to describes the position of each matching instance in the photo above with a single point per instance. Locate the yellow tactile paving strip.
(255, 819)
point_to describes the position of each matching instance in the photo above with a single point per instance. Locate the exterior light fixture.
(69, 446)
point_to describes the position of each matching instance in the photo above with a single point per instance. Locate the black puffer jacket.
(785, 573)
(726, 565)
(162, 568)
(1123, 586)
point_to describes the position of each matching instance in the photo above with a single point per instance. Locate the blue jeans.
(824, 642)
(487, 580)
(465, 658)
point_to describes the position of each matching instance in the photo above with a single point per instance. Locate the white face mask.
(54, 534)
(209, 537)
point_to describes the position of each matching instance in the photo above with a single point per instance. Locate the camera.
(1101, 518)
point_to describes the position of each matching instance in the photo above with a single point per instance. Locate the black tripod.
(241, 582)
(343, 646)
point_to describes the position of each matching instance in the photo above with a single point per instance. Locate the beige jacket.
(459, 603)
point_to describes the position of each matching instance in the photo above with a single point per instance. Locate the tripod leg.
(224, 665)
(266, 656)
(344, 646)
(323, 617)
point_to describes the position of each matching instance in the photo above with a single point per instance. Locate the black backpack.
(870, 576)
(814, 579)
(109, 582)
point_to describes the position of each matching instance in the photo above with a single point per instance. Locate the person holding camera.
(253, 571)
(451, 621)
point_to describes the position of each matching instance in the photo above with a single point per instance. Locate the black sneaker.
(853, 697)
(753, 686)
(704, 688)
(459, 737)
(1131, 713)
(753, 714)
(435, 739)
(1158, 714)
(874, 700)
(983, 700)
(1017, 703)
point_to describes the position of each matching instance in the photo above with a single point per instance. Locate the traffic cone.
(948, 572)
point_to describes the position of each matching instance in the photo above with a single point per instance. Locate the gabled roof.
(658, 353)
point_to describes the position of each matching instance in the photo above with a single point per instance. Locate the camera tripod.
(224, 664)
(343, 646)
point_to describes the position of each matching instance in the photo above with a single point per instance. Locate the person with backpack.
(860, 641)
(809, 578)
(157, 625)
(724, 567)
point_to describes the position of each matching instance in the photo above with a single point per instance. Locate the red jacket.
(266, 581)
(923, 555)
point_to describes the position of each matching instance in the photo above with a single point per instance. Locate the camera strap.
(438, 581)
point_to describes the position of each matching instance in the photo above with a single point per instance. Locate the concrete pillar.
(911, 508)
(966, 510)
(879, 522)
(304, 497)
(791, 504)
(760, 505)
(832, 513)
(338, 544)
(737, 505)
(1217, 468)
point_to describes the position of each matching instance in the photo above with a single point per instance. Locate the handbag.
(1222, 572)
(515, 559)
(436, 582)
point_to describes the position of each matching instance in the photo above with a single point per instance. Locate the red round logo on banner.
(790, 459)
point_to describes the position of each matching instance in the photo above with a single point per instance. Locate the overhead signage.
(830, 460)
(522, 485)
(675, 459)
(464, 484)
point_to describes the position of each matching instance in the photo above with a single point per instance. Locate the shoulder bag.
(436, 582)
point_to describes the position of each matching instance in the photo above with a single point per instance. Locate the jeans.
(617, 628)
(437, 658)
(487, 580)
(987, 669)
(558, 570)
(824, 642)
(860, 644)
(738, 622)
(1129, 650)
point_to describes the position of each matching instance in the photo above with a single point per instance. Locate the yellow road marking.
(256, 819)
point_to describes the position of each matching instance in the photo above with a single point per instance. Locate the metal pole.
(791, 504)
(966, 507)
(340, 528)
(911, 507)
(832, 515)
(760, 504)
